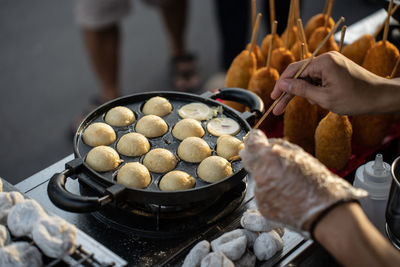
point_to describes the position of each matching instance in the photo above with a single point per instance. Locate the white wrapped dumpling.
(157, 105)
(228, 146)
(214, 169)
(99, 134)
(187, 128)
(176, 180)
(193, 149)
(151, 126)
(133, 145)
(160, 160)
(103, 159)
(120, 116)
(134, 175)
(20, 254)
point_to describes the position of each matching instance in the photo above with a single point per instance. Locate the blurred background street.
(46, 79)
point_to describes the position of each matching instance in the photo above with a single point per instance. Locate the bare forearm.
(349, 236)
(390, 96)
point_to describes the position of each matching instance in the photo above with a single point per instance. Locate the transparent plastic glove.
(292, 186)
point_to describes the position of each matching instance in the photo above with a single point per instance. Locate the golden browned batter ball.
(160, 160)
(187, 128)
(381, 58)
(193, 149)
(134, 175)
(99, 133)
(293, 36)
(357, 50)
(157, 105)
(176, 181)
(214, 169)
(299, 123)
(239, 74)
(259, 56)
(370, 130)
(103, 159)
(120, 116)
(133, 145)
(317, 36)
(277, 43)
(281, 58)
(316, 22)
(333, 141)
(151, 126)
(228, 146)
(262, 83)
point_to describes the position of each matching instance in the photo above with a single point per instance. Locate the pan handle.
(249, 99)
(66, 200)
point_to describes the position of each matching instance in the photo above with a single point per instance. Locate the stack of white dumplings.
(259, 239)
(25, 219)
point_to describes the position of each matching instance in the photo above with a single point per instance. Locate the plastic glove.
(292, 186)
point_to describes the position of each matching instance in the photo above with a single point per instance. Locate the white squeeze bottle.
(375, 177)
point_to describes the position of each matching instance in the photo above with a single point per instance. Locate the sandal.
(184, 73)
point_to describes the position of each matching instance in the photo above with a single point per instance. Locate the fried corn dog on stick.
(300, 120)
(319, 20)
(301, 46)
(357, 50)
(242, 68)
(333, 141)
(263, 80)
(277, 41)
(370, 130)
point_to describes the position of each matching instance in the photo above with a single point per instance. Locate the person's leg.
(183, 63)
(174, 15)
(103, 48)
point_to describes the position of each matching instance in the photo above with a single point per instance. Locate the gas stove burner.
(170, 221)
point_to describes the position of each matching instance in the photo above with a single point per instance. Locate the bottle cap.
(374, 177)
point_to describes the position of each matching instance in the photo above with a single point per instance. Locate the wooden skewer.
(296, 13)
(384, 22)
(298, 73)
(272, 12)
(326, 7)
(271, 43)
(302, 51)
(396, 66)
(254, 34)
(253, 13)
(342, 38)
(302, 35)
(386, 31)
(289, 25)
(328, 13)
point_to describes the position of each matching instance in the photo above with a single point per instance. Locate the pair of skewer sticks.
(298, 73)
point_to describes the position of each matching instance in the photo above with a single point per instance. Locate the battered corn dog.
(281, 58)
(357, 50)
(370, 130)
(316, 22)
(277, 43)
(259, 55)
(239, 74)
(317, 36)
(299, 123)
(381, 58)
(242, 68)
(319, 20)
(333, 141)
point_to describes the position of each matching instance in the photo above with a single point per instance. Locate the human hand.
(333, 82)
(292, 187)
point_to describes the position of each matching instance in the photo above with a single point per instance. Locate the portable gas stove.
(163, 238)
